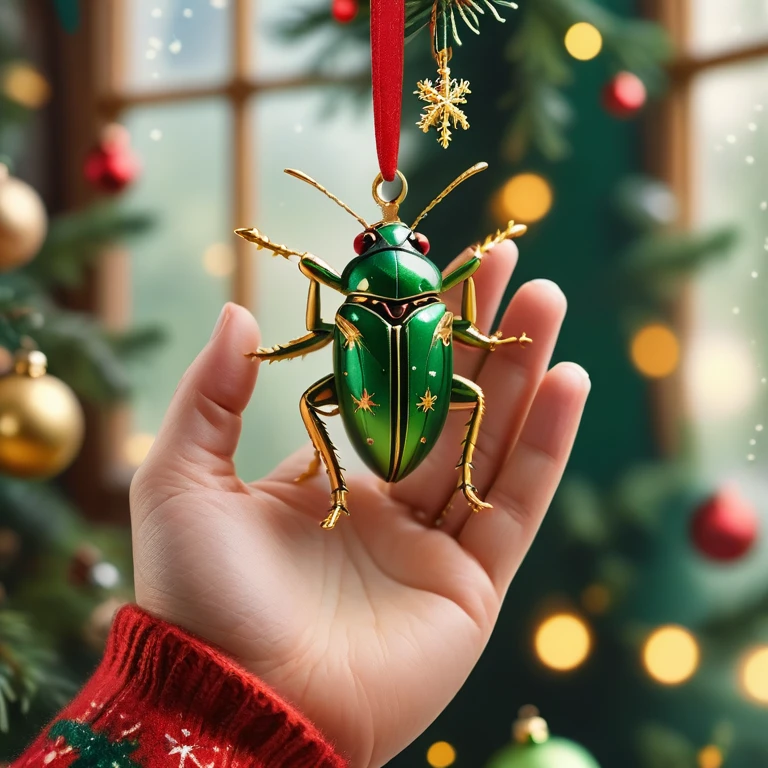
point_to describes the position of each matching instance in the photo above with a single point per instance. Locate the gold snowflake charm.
(443, 100)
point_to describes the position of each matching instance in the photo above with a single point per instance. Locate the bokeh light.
(710, 757)
(219, 260)
(525, 198)
(563, 641)
(655, 351)
(441, 754)
(25, 85)
(721, 377)
(753, 674)
(583, 41)
(137, 447)
(671, 655)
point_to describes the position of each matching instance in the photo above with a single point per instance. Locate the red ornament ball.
(344, 11)
(725, 526)
(111, 165)
(624, 95)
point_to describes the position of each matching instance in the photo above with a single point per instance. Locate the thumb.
(202, 427)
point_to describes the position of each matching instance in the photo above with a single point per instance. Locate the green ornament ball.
(553, 753)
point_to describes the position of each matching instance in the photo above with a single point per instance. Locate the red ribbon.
(387, 43)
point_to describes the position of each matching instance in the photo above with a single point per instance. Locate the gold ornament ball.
(41, 420)
(23, 222)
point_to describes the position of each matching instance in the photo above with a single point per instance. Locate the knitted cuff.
(161, 697)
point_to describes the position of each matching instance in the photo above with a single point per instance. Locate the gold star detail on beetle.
(365, 403)
(443, 100)
(427, 401)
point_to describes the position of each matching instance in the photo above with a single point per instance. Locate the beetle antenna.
(303, 177)
(477, 168)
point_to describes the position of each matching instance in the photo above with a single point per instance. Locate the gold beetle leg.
(466, 395)
(466, 332)
(319, 335)
(319, 395)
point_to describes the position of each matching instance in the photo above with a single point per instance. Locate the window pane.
(726, 369)
(717, 25)
(276, 56)
(174, 43)
(179, 280)
(339, 152)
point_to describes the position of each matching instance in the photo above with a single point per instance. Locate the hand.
(369, 629)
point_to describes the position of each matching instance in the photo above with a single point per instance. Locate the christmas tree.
(61, 577)
(598, 631)
(593, 632)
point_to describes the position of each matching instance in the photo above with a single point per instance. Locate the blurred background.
(135, 135)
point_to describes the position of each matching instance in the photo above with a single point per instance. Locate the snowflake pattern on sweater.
(164, 699)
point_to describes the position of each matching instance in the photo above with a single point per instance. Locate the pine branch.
(39, 513)
(542, 68)
(135, 342)
(539, 114)
(75, 240)
(80, 353)
(29, 671)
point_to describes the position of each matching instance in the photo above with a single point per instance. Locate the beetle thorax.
(392, 266)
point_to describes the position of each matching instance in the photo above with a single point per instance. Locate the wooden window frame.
(89, 77)
(670, 158)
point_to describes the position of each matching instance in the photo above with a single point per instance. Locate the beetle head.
(390, 236)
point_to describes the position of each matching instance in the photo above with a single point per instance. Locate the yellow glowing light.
(137, 447)
(219, 260)
(671, 655)
(563, 641)
(441, 754)
(583, 41)
(525, 198)
(655, 351)
(710, 757)
(596, 598)
(25, 85)
(721, 376)
(754, 674)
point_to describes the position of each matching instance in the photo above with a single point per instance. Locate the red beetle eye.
(363, 242)
(423, 243)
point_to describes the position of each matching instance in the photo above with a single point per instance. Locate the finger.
(202, 426)
(438, 469)
(491, 281)
(538, 309)
(500, 538)
(509, 379)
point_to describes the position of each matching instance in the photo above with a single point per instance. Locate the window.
(218, 105)
(716, 158)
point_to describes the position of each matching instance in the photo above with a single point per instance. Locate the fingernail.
(577, 371)
(550, 285)
(220, 322)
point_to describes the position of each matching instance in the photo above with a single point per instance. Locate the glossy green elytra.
(393, 381)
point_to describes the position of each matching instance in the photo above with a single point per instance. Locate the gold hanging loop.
(389, 208)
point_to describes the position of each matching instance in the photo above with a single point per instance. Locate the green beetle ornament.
(393, 381)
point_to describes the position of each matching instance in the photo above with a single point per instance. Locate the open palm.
(369, 629)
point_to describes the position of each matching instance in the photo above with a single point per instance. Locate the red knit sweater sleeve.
(161, 697)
